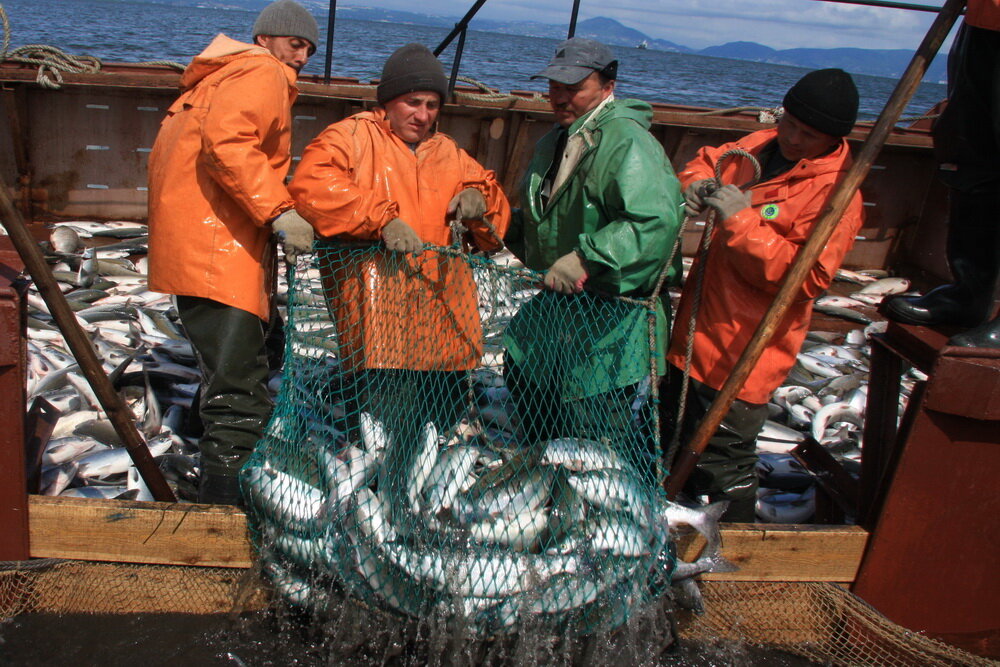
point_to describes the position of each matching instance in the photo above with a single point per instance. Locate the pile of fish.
(824, 397)
(573, 539)
(135, 334)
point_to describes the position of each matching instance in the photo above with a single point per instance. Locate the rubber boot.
(972, 257)
(216, 489)
(984, 336)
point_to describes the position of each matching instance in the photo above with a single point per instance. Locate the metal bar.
(81, 347)
(330, 20)
(879, 435)
(891, 5)
(455, 64)
(806, 259)
(459, 27)
(572, 19)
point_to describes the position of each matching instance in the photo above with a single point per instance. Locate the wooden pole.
(806, 259)
(118, 413)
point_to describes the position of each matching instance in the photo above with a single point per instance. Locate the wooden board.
(772, 552)
(139, 532)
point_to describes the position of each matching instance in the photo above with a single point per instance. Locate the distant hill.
(876, 62)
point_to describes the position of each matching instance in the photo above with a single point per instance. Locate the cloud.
(780, 24)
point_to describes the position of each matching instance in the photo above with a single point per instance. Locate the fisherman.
(217, 202)
(601, 210)
(967, 146)
(407, 320)
(757, 236)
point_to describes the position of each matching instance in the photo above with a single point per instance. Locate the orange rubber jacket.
(751, 253)
(983, 14)
(217, 177)
(396, 311)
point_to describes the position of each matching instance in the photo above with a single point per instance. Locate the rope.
(52, 62)
(488, 93)
(706, 241)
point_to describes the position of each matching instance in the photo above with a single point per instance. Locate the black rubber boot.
(984, 336)
(972, 255)
(219, 490)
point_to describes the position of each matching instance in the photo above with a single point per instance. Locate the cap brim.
(567, 74)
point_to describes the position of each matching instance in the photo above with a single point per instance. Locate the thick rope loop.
(52, 62)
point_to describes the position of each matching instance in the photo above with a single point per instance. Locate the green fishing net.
(449, 438)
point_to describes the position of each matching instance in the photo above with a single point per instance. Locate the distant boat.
(643, 45)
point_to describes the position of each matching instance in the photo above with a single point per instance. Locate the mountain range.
(875, 62)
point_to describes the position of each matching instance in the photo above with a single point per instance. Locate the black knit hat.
(409, 69)
(826, 100)
(287, 18)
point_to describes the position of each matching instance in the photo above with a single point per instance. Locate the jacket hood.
(632, 109)
(219, 53)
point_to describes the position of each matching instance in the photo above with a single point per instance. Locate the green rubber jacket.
(620, 207)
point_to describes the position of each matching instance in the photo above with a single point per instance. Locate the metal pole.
(330, 20)
(806, 259)
(82, 349)
(459, 27)
(572, 19)
(891, 5)
(456, 63)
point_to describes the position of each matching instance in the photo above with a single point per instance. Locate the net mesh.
(448, 437)
(818, 621)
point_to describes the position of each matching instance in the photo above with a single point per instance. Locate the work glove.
(693, 197)
(295, 234)
(728, 201)
(400, 237)
(567, 274)
(469, 204)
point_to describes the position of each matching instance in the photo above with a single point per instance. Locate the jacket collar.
(836, 160)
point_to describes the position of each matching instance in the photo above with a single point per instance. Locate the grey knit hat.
(409, 69)
(287, 18)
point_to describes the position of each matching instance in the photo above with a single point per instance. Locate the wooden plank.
(775, 552)
(138, 532)
(203, 535)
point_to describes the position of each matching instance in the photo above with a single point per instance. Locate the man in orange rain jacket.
(407, 319)
(757, 236)
(217, 199)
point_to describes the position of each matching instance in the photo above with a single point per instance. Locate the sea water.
(136, 31)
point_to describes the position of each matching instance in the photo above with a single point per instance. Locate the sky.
(780, 24)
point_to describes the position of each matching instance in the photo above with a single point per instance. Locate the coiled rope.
(699, 276)
(52, 62)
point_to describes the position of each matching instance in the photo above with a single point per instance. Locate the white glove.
(567, 274)
(400, 237)
(728, 201)
(469, 204)
(693, 202)
(295, 234)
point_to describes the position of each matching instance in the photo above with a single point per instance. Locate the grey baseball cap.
(576, 59)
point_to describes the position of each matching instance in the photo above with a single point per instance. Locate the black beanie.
(409, 69)
(826, 100)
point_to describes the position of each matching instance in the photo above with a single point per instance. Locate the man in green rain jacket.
(600, 211)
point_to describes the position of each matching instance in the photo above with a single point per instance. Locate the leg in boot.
(985, 336)
(972, 241)
(234, 404)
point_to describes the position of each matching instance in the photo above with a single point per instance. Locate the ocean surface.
(136, 31)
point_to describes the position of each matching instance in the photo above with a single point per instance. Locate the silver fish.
(283, 499)
(578, 455)
(116, 461)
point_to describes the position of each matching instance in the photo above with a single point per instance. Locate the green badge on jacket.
(769, 212)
